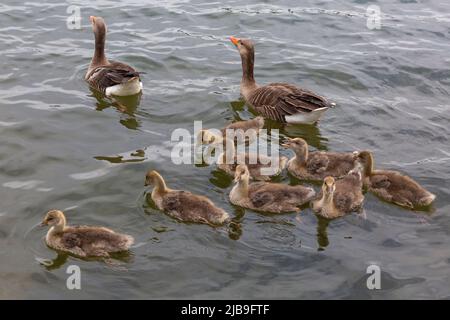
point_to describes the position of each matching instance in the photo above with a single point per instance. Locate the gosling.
(83, 241)
(340, 197)
(259, 165)
(393, 186)
(315, 166)
(267, 197)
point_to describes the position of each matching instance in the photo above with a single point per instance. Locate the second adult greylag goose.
(317, 165)
(83, 241)
(111, 78)
(261, 167)
(393, 186)
(277, 101)
(339, 197)
(184, 205)
(266, 196)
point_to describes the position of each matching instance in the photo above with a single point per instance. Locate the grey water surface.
(64, 147)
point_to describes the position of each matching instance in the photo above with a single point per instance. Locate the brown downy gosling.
(184, 205)
(339, 197)
(83, 241)
(317, 165)
(266, 196)
(393, 186)
(228, 160)
(250, 127)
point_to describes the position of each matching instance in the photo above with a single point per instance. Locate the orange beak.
(92, 19)
(234, 40)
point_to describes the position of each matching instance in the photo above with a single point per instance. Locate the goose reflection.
(322, 233)
(115, 260)
(235, 225)
(127, 106)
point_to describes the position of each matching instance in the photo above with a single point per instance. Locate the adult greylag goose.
(184, 205)
(393, 186)
(111, 78)
(339, 197)
(261, 167)
(282, 102)
(83, 241)
(266, 196)
(317, 165)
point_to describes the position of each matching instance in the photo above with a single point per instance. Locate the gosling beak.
(43, 224)
(234, 40)
(237, 177)
(92, 19)
(146, 183)
(286, 143)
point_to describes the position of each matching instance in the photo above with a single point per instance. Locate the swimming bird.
(184, 205)
(393, 186)
(339, 197)
(83, 241)
(282, 102)
(111, 78)
(317, 165)
(248, 129)
(266, 196)
(261, 167)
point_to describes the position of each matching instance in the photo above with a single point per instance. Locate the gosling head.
(260, 121)
(329, 186)
(241, 173)
(299, 145)
(151, 178)
(244, 46)
(365, 159)
(98, 25)
(209, 137)
(53, 218)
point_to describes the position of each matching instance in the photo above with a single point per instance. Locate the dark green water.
(61, 147)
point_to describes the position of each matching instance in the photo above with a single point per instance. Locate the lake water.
(64, 148)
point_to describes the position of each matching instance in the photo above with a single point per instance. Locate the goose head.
(54, 218)
(260, 121)
(244, 46)
(208, 137)
(241, 173)
(328, 187)
(365, 159)
(298, 145)
(152, 178)
(98, 25)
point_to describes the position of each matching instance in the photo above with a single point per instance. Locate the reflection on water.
(322, 235)
(116, 261)
(134, 156)
(126, 105)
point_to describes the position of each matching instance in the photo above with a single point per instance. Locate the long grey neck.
(248, 61)
(99, 57)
